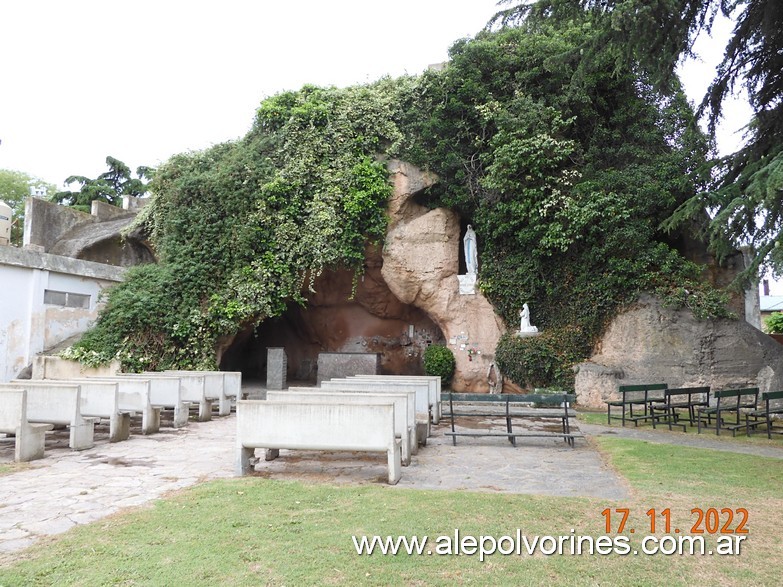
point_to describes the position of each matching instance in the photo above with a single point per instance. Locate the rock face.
(420, 266)
(372, 320)
(650, 343)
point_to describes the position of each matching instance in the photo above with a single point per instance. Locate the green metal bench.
(555, 407)
(729, 402)
(639, 395)
(773, 404)
(679, 402)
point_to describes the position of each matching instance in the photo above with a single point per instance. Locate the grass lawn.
(255, 531)
(757, 438)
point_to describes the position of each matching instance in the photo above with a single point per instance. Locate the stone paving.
(66, 488)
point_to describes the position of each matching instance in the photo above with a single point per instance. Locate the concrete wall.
(96, 237)
(46, 222)
(30, 325)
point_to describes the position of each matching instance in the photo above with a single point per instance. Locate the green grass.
(757, 438)
(255, 531)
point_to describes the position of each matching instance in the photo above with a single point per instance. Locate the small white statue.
(524, 320)
(471, 251)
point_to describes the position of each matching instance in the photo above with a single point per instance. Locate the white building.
(44, 300)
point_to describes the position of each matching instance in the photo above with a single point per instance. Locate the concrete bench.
(220, 386)
(193, 389)
(405, 427)
(100, 399)
(58, 404)
(165, 392)
(335, 427)
(133, 396)
(29, 437)
(420, 428)
(434, 383)
(423, 406)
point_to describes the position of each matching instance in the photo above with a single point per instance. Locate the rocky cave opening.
(373, 320)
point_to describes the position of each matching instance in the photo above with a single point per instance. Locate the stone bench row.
(79, 403)
(343, 414)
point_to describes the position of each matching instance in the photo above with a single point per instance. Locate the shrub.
(439, 360)
(542, 360)
(774, 323)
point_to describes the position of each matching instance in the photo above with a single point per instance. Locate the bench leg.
(567, 431)
(82, 434)
(412, 441)
(451, 412)
(393, 458)
(150, 421)
(244, 458)
(29, 442)
(421, 432)
(511, 439)
(405, 453)
(181, 414)
(205, 410)
(119, 427)
(224, 405)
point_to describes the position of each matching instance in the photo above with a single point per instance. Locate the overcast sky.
(142, 80)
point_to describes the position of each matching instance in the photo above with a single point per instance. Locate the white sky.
(142, 80)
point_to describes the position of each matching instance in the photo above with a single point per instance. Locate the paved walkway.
(67, 488)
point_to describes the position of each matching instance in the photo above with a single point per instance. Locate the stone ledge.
(58, 264)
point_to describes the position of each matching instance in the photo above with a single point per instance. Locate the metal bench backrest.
(732, 399)
(556, 400)
(772, 399)
(695, 395)
(642, 391)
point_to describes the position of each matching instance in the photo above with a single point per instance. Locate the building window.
(67, 299)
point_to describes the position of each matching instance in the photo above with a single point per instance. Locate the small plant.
(439, 360)
(774, 323)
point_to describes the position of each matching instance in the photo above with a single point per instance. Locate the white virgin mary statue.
(524, 320)
(471, 251)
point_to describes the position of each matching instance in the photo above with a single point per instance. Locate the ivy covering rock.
(565, 168)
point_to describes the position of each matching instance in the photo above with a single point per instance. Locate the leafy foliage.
(15, 188)
(108, 187)
(565, 166)
(240, 229)
(439, 361)
(747, 188)
(773, 323)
